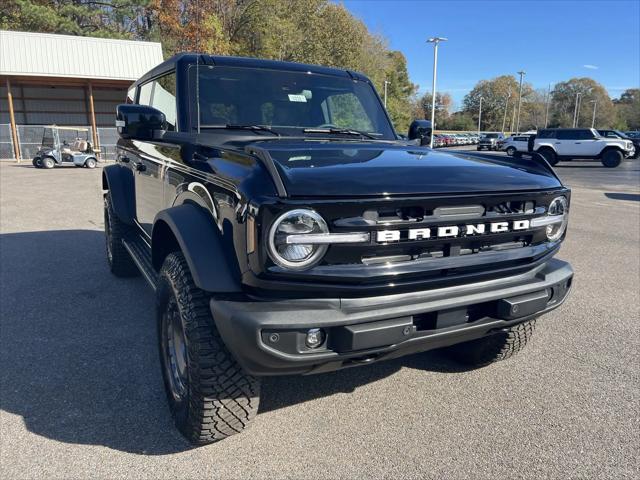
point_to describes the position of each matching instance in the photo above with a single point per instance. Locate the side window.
(584, 134)
(346, 111)
(567, 135)
(145, 94)
(131, 95)
(547, 134)
(161, 94)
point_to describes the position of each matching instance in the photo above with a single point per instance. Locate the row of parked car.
(454, 139)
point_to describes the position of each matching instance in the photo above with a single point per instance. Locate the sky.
(552, 40)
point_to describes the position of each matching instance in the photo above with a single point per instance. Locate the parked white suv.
(515, 144)
(556, 144)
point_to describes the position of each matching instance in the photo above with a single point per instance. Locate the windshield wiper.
(255, 128)
(339, 131)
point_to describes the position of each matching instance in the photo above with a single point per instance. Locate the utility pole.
(575, 110)
(435, 41)
(506, 106)
(480, 115)
(522, 73)
(546, 115)
(593, 119)
(579, 107)
(385, 92)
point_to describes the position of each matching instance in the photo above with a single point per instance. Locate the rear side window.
(161, 94)
(567, 135)
(547, 134)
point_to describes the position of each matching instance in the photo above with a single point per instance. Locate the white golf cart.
(54, 152)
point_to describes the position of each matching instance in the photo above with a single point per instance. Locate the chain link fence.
(30, 140)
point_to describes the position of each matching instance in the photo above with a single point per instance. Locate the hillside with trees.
(500, 103)
(308, 31)
(326, 33)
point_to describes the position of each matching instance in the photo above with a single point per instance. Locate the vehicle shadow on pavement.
(281, 392)
(78, 352)
(633, 197)
(78, 356)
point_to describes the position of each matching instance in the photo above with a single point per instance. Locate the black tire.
(48, 162)
(90, 162)
(210, 396)
(120, 262)
(479, 148)
(494, 348)
(37, 162)
(612, 158)
(511, 151)
(549, 155)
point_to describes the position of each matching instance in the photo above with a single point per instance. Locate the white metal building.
(65, 80)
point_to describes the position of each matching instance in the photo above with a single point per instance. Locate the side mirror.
(420, 130)
(140, 122)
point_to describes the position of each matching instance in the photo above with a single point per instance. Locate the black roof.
(247, 62)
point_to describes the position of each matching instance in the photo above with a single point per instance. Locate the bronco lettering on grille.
(451, 231)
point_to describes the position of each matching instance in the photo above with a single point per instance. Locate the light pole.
(385, 92)
(480, 115)
(435, 41)
(575, 110)
(579, 104)
(522, 73)
(546, 115)
(593, 119)
(506, 106)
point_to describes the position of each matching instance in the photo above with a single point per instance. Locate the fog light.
(315, 338)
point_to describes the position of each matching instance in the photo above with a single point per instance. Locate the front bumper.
(268, 337)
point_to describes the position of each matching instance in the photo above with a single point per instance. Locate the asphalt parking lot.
(81, 394)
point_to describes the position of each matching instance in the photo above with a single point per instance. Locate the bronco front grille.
(408, 260)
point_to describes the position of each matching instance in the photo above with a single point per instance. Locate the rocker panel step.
(141, 254)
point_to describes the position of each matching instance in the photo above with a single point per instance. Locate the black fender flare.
(192, 229)
(118, 181)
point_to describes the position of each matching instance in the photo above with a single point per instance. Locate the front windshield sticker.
(297, 98)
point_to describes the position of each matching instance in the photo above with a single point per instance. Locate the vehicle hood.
(343, 169)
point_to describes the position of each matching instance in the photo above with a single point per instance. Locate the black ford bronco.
(286, 229)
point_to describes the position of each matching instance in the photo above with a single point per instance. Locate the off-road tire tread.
(222, 398)
(609, 161)
(122, 265)
(499, 346)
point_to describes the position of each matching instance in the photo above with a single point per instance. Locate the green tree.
(442, 108)
(499, 94)
(628, 109)
(563, 104)
(106, 18)
(459, 121)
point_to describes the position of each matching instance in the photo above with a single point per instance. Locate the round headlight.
(287, 253)
(558, 208)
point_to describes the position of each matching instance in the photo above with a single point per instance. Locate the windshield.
(288, 102)
(490, 135)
